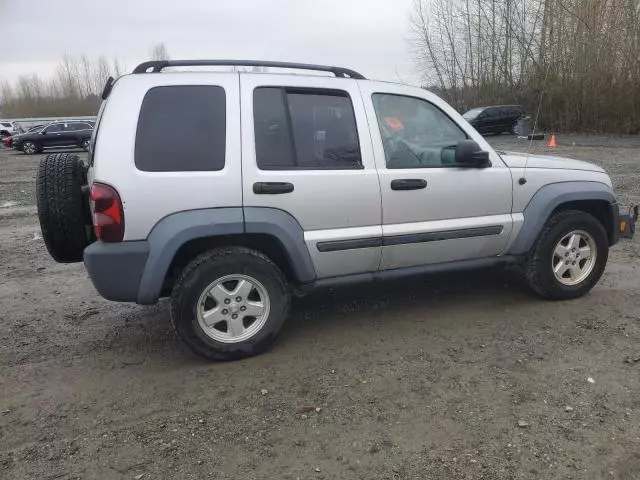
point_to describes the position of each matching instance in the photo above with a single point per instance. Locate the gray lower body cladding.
(551, 196)
(135, 271)
(116, 269)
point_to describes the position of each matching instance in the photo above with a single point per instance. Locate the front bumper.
(627, 221)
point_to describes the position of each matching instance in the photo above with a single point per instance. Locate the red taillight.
(108, 216)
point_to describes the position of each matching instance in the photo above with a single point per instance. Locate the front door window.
(415, 133)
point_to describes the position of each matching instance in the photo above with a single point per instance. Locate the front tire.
(229, 303)
(569, 256)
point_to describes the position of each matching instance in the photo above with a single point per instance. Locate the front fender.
(547, 199)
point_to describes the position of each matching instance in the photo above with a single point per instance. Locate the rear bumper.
(116, 269)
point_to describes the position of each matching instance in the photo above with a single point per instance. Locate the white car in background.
(6, 128)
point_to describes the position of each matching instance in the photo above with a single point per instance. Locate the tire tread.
(61, 207)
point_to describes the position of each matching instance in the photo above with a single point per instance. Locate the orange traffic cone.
(552, 142)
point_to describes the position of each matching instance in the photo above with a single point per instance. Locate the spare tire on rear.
(63, 207)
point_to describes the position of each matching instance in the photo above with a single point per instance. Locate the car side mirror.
(469, 154)
(43, 132)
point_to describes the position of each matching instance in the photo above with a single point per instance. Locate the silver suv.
(227, 191)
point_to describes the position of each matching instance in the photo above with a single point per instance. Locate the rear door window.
(305, 129)
(182, 128)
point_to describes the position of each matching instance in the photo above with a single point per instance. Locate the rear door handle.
(272, 188)
(408, 184)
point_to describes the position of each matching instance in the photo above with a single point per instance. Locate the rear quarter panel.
(148, 197)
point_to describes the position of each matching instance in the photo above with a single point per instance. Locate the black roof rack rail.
(158, 65)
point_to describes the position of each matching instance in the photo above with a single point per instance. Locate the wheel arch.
(180, 237)
(594, 198)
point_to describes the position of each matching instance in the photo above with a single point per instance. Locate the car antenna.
(523, 179)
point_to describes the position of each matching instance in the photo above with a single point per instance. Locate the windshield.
(471, 114)
(5, 124)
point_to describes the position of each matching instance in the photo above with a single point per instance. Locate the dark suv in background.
(57, 134)
(498, 119)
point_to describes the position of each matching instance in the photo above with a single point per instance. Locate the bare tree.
(73, 90)
(583, 52)
(159, 52)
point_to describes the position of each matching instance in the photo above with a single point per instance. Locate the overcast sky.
(366, 35)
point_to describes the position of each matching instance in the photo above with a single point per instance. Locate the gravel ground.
(463, 376)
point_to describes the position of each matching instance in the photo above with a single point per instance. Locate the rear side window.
(182, 129)
(305, 129)
(55, 128)
(78, 126)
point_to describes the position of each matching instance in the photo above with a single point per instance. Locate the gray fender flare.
(547, 199)
(286, 229)
(173, 231)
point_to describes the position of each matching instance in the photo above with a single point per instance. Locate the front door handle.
(272, 188)
(408, 184)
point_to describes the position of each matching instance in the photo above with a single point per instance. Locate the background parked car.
(497, 119)
(17, 131)
(6, 128)
(57, 134)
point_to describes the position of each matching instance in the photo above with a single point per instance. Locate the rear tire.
(544, 257)
(203, 305)
(63, 209)
(31, 148)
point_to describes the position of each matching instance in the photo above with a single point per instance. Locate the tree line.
(74, 89)
(578, 60)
